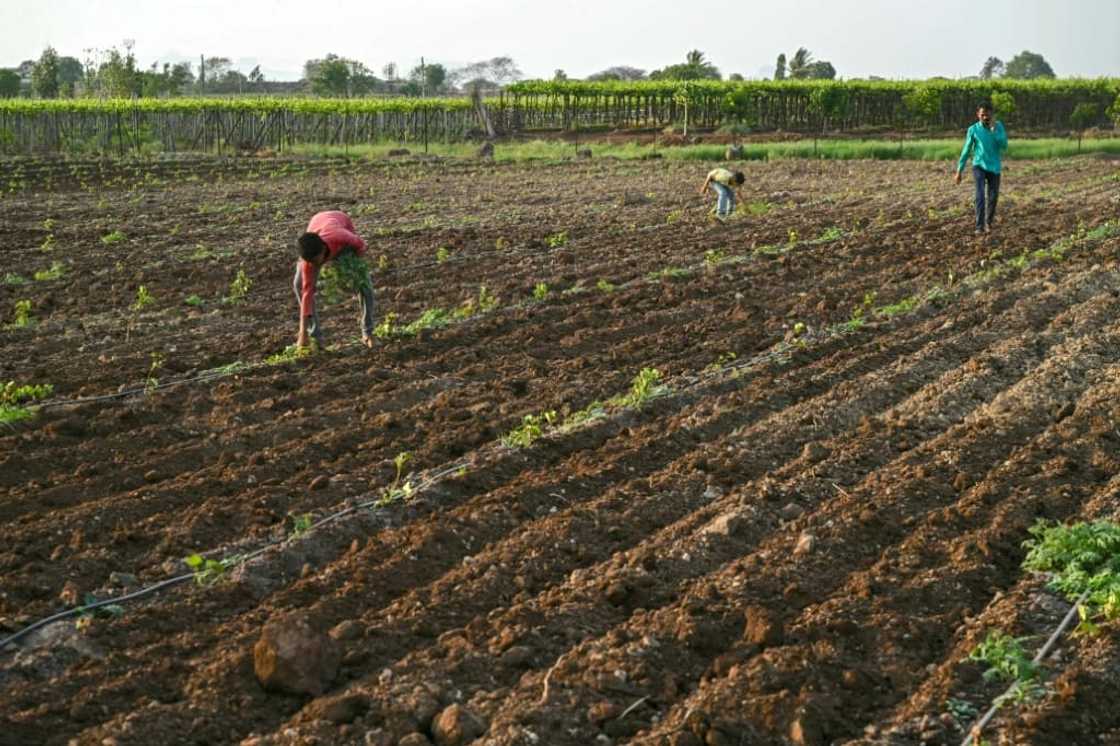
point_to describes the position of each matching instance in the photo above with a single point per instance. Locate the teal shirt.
(984, 145)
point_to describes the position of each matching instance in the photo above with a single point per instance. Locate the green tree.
(1084, 116)
(429, 77)
(117, 75)
(993, 68)
(619, 72)
(329, 76)
(695, 67)
(799, 63)
(780, 69)
(821, 70)
(922, 105)
(44, 77)
(9, 84)
(559, 76)
(1004, 105)
(1027, 65)
(256, 78)
(70, 73)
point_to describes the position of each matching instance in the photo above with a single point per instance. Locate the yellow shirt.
(723, 176)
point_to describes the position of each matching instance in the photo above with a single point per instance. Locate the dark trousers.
(991, 180)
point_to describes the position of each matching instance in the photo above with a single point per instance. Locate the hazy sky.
(890, 38)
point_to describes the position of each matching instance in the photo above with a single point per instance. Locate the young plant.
(239, 287)
(1005, 657)
(143, 299)
(541, 292)
(55, 272)
(442, 254)
(301, 524)
(401, 488)
(48, 243)
(114, 237)
(15, 398)
(194, 300)
(22, 317)
(291, 353)
(712, 257)
(831, 234)
(386, 329)
(645, 386)
(348, 273)
(605, 286)
(10, 278)
(208, 571)
(1083, 557)
(151, 383)
(556, 240)
(532, 427)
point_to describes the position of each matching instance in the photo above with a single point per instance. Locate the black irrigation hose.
(240, 560)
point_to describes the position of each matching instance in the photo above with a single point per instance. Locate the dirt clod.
(291, 656)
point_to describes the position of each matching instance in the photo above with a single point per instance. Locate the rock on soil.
(291, 656)
(456, 726)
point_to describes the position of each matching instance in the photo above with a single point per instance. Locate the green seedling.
(14, 279)
(48, 243)
(904, 306)
(194, 300)
(501, 244)
(792, 237)
(442, 254)
(347, 274)
(674, 216)
(669, 273)
(55, 272)
(724, 359)
(239, 287)
(1005, 658)
(401, 488)
(15, 398)
(532, 427)
(712, 257)
(106, 611)
(758, 209)
(605, 286)
(22, 318)
(556, 240)
(831, 234)
(645, 386)
(48, 224)
(291, 353)
(962, 710)
(386, 328)
(208, 571)
(111, 238)
(301, 524)
(382, 263)
(541, 292)
(143, 299)
(151, 382)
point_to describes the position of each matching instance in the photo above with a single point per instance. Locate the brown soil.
(800, 549)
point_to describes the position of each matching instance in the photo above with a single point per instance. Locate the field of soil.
(798, 539)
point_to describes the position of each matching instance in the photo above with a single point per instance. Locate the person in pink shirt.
(329, 235)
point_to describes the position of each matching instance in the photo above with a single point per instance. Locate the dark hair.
(311, 246)
(738, 177)
(986, 105)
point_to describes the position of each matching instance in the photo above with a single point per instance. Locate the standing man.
(330, 236)
(984, 141)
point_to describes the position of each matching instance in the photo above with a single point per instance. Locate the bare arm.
(706, 182)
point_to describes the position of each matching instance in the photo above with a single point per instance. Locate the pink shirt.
(338, 233)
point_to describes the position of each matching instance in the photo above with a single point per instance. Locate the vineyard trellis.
(194, 124)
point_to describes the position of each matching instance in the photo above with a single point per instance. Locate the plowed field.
(862, 408)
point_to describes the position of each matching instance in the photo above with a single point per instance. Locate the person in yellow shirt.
(726, 185)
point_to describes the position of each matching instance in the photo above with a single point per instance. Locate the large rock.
(291, 656)
(456, 726)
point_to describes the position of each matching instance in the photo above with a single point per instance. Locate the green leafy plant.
(347, 274)
(107, 611)
(55, 272)
(14, 399)
(792, 237)
(301, 524)
(114, 237)
(22, 317)
(208, 571)
(151, 382)
(483, 302)
(532, 427)
(669, 273)
(831, 234)
(712, 257)
(386, 328)
(556, 240)
(382, 263)
(194, 300)
(605, 286)
(674, 216)
(541, 292)
(401, 487)
(143, 299)
(442, 254)
(1083, 557)
(645, 386)
(1005, 657)
(291, 353)
(11, 278)
(48, 243)
(239, 287)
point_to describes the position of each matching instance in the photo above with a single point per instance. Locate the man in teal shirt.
(984, 141)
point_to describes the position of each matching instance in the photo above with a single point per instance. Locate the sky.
(888, 38)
